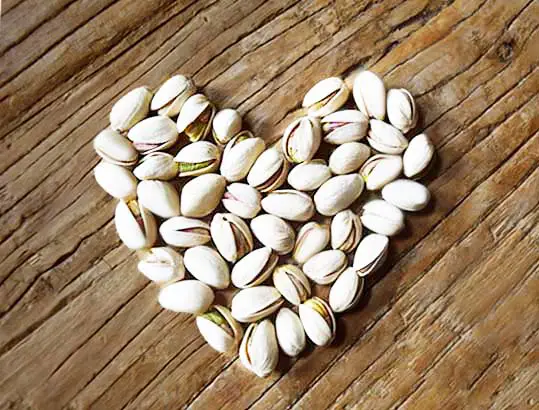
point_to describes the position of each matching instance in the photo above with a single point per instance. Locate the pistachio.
(401, 110)
(312, 238)
(242, 200)
(380, 170)
(153, 134)
(157, 165)
(173, 93)
(226, 124)
(381, 217)
(344, 126)
(370, 253)
(292, 283)
(115, 148)
(418, 156)
(290, 333)
(348, 157)
(130, 109)
(217, 326)
(253, 304)
(346, 291)
(385, 138)
(289, 204)
(160, 197)
(195, 117)
(406, 195)
(135, 225)
(309, 175)
(239, 155)
(269, 171)
(198, 158)
(370, 95)
(318, 321)
(201, 195)
(231, 236)
(186, 296)
(206, 265)
(346, 231)
(259, 352)
(116, 180)
(338, 193)
(326, 97)
(301, 139)
(274, 233)
(185, 232)
(254, 268)
(324, 267)
(162, 265)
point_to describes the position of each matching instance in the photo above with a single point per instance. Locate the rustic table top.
(451, 322)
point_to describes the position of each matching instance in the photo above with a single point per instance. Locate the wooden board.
(451, 322)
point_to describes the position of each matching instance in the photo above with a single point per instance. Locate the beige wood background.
(452, 321)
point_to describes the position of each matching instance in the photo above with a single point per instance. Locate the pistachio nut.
(201, 195)
(318, 321)
(206, 265)
(326, 96)
(115, 148)
(157, 165)
(186, 296)
(159, 197)
(312, 238)
(217, 326)
(173, 93)
(381, 217)
(253, 304)
(239, 155)
(309, 175)
(254, 268)
(226, 124)
(401, 110)
(242, 200)
(406, 195)
(292, 283)
(289, 204)
(348, 157)
(346, 231)
(418, 156)
(258, 351)
(290, 334)
(231, 236)
(386, 138)
(198, 158)
(116, 180)
(195, 117)
(274, 233)
(135, 225)
(324, 267)
(185, 232)
(380, 170)
(130, 109)
(301, 139)
(161, 265)
(346, 291)
(269, 171)
(344, 126)
(370, 95)
(370, 254)
(153, 134)
(338, 193)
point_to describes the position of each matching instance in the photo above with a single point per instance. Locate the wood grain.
(452, 320)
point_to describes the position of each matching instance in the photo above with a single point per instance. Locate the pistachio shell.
(346, 231)
(242, 200)
(130, 109)
(259, 352)
(312, 238)
(217, 326)
(162, 265)
(201, 195)
(290, 333)
(345, 126)
(116, 180)
(115, 148)
(153, 134)
(324, 267)
(206, 265)
(301, 139)
(239, 155)
(326, 97)
(231, 236)
(289, 204)
(309, 175)
(274, 233)
(406, 195)
(318, 321)
(198, 158)
(185, 232)
(370, 95)
(338, 193)
(381, 217)
(401, 110)
(348, 157)
(385, 138)
(380, 170)
(418, 156)
(186, 296)
(269, 171)
(370, 254)
(170, 97)
(226, 124)
(135, 225)
(157, 165)
(160, 197)
(253, 304)
(254, 268)
(196, 116)
(292, 283)
(346, 291)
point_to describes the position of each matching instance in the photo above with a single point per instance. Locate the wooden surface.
(451, 322)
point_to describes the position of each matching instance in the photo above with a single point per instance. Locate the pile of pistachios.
(207, 205)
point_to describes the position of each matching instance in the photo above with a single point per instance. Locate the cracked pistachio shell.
(157, 165)
(301, 139)
(274, 233)
(318, 321)
(348, 157)
(346, 231)
(135, 225)
(130, 109)
(290, 334)
(217, 326)
(292, 283)
(206, 265)
(226, 124)
(242, 200)
(401, 110)
(269, 171)
(370, 254)
(326, 97)
(344, 126)
(289, 204)
(406, 195)
(258, 351)
(381, 217)
(116, 180)
(309, 175)
(312, 239)
(254, 268)
(231, 236)
(370, 95)
(239, 155)
(170, 97)
(153, 134)
(161, 265)
(253, 304)
(160, 197)
(185, 232)
(346, 291)
(186, 296)
(324, 267)
(380, 170)
(201, 195)
(418, 156)
(385, 138)
(198, 158)
(115, 148)
(338, 193)
(196, 117)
